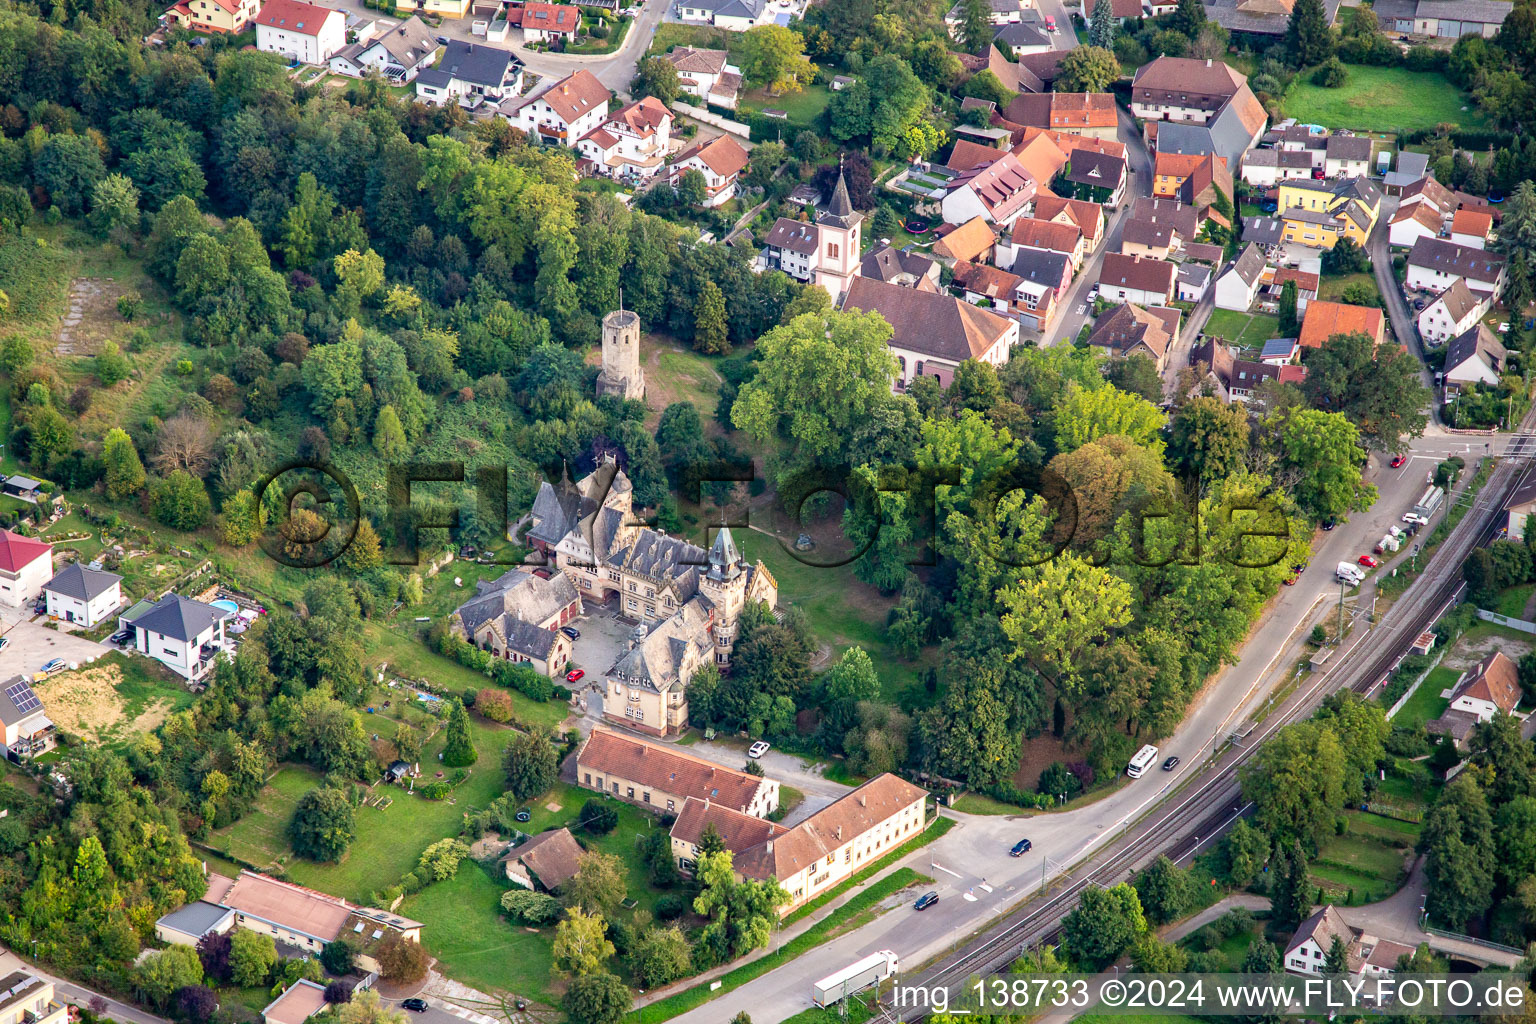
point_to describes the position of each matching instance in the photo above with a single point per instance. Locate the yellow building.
(442, 8)
(1319, 213)
(27, 999)
(214, 15)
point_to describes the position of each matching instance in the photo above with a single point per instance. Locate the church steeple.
(840, 212)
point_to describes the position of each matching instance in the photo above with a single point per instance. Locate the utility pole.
(1339, 636)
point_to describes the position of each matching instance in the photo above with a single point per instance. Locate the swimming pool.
(228, 606)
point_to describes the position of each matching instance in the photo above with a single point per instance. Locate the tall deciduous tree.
(531, 764)
(1459, 853)
(1103, 925)
(1209, 438)
(124, 471)
(773, 58)
(322, 826)
(1296, 782)
(581, 944)
(1320, 458)
(1377, 388)
(1088, 69)
(709, 325)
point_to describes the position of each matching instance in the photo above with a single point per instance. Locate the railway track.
(1200, 811)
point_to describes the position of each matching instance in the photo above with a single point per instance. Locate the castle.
(622, 374)
(687, 601)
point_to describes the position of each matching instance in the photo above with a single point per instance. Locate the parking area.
(32, 646)
(603, 639)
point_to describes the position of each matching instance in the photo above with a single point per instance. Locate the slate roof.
(1248, 266)
(18, 552)
(1263, 230)
(1096, 169)
(655, 663)
(1042, 267)
(1410, 167)
(927, 322)
(551, 856)
(1160, 210)
(1204, 252)
(1021, 34)
(82, 583)
(195, 918)
(888, 263)
(1461, 260)
(666, 768)
(1475, 342)
(180, 618)
(1348, 147)
(794, 235)
(475, 63)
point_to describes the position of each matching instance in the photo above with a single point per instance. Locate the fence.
(1395, 708)
(1523, 625)
(723, 123)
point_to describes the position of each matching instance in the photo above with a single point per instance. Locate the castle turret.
(725, 584)
(622, 374)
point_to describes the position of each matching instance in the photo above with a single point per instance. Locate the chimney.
(1207, 62)
(863, 800)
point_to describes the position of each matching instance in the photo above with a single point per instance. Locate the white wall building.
(82, 595)
(565, 112)
(25, 566)
(306, 32)
(185, 636)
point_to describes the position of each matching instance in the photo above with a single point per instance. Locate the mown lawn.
(1373, 869)
(1512, 600)
(1426, 704)
(802, 107)
(261, 837)
(1332, 288)
(1382, 99)
(1244, 330)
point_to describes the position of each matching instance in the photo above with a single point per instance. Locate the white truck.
(1350, 573)
(871, 970)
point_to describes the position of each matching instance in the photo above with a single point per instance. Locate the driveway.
(31, 646)
(790, 770)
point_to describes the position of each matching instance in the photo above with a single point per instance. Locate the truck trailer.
(1429, 502)
(871, 970)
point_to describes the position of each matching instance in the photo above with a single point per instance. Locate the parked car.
(1369, 561)
(1050, 23)
(925, 901)
(5, 642)
(1289, 581)
(1418, 303)
(1170, 764)
(571, 631)
(414, 1005)
(121, 637)
(1329, 524)
(1299, 568)
(1414, 519)
(55, 665)
(574, 674)
(1398, 461)
(442, 40)
(758, 749)
(1020, 848)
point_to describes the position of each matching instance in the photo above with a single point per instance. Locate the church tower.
(725, 584)
(837, 240)
(622, 374)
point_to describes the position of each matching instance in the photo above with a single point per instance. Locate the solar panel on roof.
(22, 696)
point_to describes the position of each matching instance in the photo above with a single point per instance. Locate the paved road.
(77, 995)
(32, 645)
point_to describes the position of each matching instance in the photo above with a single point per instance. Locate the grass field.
(1370, 866)
(1512, 600)
(803, 106)
(1332, 288)
(1382, 99)
(1244, 330)
(261, 837)
(114, 699)
(670, 34)
(1426, 704)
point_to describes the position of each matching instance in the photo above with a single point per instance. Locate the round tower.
(622, 375)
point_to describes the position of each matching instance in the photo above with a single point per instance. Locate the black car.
(571, 631)
(414, 1005)
(1170, 764)
(1020, 848)
(1329, 524)
(122, 636)
(925, 901)
(442, 40)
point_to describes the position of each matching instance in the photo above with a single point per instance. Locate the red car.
(1289, 581)
(1050, 23)
(1398, 461)
(1368, 561)
(573, 675)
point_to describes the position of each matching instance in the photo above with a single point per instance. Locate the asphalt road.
(77, 995)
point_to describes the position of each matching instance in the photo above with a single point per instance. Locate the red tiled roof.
(1325, 319)
(666, 769)
(294, 16)
(18, 552)
(1471, 222)
(723, 155)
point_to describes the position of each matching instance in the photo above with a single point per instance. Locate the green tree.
(322, 827)
(180, 501)
(1087, 69)
(741, 914)
(252, 955)
(366, 1007)
(1308, 39)
(1057, 609)
(975, 24)
(1166, 891)
(1320, 459)
(1377, 388)
(115, 206)
(1084, 415)
(656, 77)
(599, 998)
(388, 435)
(68, 168)
(709, 323)
(157, 977)
(1103, 925)
(535, 908)
(402, 960)
(1336, 960)
(458, 747)
(441, 860)
(532, 764)
(1459, 854)
(692, 188)
(124, 471)
(1296, 782)
(1244, 850)
(661, 956)
(1208, 438)
(1188, 18)
(581, 945)
(772, 57)
(1290, 893)
(1105, 26)
(365, 553)
(599, 886)
(1290, 322)
(15, 354)
(111, 365)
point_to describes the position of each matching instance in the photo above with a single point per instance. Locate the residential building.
(547, 861)
(1325, 319)
(1519, 508)
(1121, 10)
(1280, 351)
(999, 193)
(1044, 159)
(1443, 19)
(300, 31)
(1491, 687)
(1300, 138)
(986, 285)
(825, 252)
(292, 915)
(1435, 264)
(1264, 231)
(1414, 221)
(1234, 130)
(896, 266)
(1319, 213)
(298, 1002)
(1266, 167)
(706, 75)
(1145, 282)
(1045, 235)
(732, 15)
(1474, 357)
(1088, 217)
(545, 22)
(1091, 114)
(28, 729)
(737, 831)
(1202, 252)
(517, 617)
(1043, 281)
(1411, 168)
(214, 16)
(1183, 89)
(1451, 313)
(999, 12)
(82, 595)
(791, 247)
(1260, 17)
(185, 636)
(933, 333)
(663, 776)
(1156, 239)
(26, 565)
(1021, 38)
(1347, 156)
(27, 999)
(839, 840)
(1171, 170)
(399, 53)
(186, 925)
(1309, 946)
(567, 111)
(1307, 283)
(1128, 329)
(1067, 143)
(966, 154)
(471, 74)
(1193, 282)
(1234, 379)
(633, 141)
(1238, 285)
(720, 160)
(440, 8)
(1471, 228)
(970, 241)
(1095, 177)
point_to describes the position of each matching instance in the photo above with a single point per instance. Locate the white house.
(1488, 688)
(565, 112)
(1137, 279)
(720, 160)
(1265, 167)
(28, 730)
(399, 54)
(1471, 227)
(306, 32)
(545, 22)
(185, 636)
(1308, 948)
(1347, 156)
(1474, 357)
(999, 192)
(82, 595)
(634, 140)
(1451, 313)
(471, 74)
(1421, 219)
(706, 75)
(1435, 264)
(25, 566)
(732, 15)
(1238, 285)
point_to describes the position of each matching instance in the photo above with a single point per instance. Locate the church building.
(826, 252)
